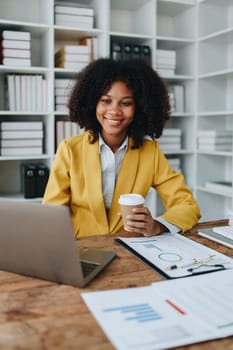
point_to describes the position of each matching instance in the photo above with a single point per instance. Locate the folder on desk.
(176, 256)
(218, 237)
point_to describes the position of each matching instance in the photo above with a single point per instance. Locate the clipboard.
(176, 256)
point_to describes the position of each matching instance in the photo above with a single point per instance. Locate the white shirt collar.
(124, 144)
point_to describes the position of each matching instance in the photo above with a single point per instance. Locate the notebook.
(38, 240)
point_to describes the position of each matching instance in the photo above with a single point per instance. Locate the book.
(21, 134)
(11, 92)
(21, 151)
(16, 44)
(61, 99)
(64, 83)
(165, 54)
(61, 57)
(62, 91)
(24, 92)
(59, 132)
(71, 65)
(210, 147)
(212, 132)
(165, 62)
(21, 125)
(82, 11)
(73, 49)
(16, 53)
(216, 237)
(44, 106)
(169, 139)
(8, 143)
(15, 35)
(18, 99)
(166, 73)
(215, 140)
(61, 108)
(12, 61)
(171, 132)
(224, 187)
(178, 91)
(86, 22)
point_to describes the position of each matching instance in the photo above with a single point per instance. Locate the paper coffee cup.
(128, 202)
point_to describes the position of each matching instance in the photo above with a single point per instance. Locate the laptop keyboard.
(88, 267)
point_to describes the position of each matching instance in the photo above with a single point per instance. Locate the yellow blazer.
(75, 180)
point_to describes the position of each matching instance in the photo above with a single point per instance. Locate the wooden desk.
(36, 314)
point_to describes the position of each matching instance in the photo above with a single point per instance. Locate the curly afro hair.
(149, 91)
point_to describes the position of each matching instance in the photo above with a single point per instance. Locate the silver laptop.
(38, 240)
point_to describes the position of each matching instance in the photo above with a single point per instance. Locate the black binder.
(137, 51)
(116, 50)
(127, 51)
(28, 173)
(41, 179)
(146, 53)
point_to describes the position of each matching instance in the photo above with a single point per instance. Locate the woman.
(123, 106)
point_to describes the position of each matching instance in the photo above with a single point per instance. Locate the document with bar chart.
(166, 314)
(176, 256)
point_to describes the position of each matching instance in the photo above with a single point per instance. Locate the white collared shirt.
(110, 165)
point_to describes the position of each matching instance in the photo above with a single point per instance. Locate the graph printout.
(166, 314)
(177, 255)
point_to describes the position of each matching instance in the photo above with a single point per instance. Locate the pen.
(175, 266)
(219, 266)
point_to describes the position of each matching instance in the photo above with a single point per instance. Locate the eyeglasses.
(196, 264)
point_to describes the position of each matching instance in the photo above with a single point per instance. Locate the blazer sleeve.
(181, 208)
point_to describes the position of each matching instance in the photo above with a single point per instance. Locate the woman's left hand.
(141, 221)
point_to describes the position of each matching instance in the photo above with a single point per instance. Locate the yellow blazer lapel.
(93, 178)
(125, 182)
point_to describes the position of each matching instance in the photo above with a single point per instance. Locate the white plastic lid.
(131, 199)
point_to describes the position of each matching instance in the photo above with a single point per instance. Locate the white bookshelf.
(214, 102)
(200, 32)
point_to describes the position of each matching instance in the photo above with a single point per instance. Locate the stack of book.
(125, 51)
(73, 57)
(215, 140)
(176, 97)
(21, 138)
(73, 16)
(63, 88)
(27, 92)
(170, 140)
(166, 62)
(65, 129)
(15, 48)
